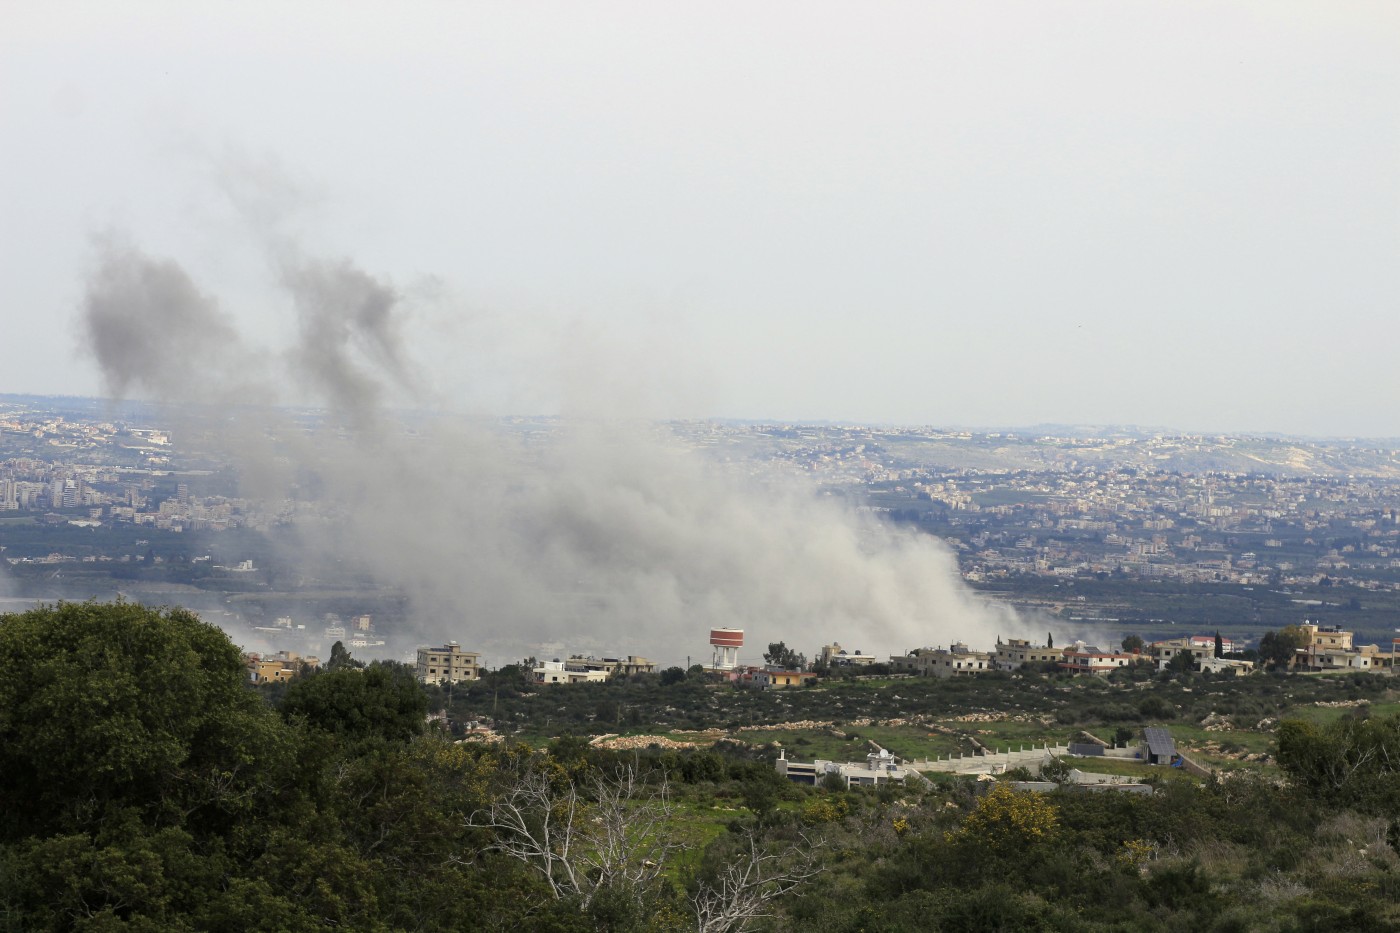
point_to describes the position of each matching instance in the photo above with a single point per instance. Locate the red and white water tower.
(726, 643)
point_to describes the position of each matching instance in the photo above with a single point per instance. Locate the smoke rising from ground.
(607, 536)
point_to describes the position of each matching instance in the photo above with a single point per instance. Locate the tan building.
(448, 664)
(277, 668)
(833, 655)
(769, 679)
(945, 662)
(1015, 653)
(1164, 651)
(1329, 648)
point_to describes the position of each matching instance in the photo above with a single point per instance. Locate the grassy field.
(696, 824)
(1013, 734)
(1326, 714)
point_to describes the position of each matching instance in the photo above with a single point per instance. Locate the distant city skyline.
(962, 215)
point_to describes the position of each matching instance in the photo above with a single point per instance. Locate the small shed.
(1159, 749)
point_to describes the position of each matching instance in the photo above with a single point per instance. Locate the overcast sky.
(1181, 214)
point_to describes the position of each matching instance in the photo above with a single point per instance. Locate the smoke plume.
(153, 332)
(603, 535)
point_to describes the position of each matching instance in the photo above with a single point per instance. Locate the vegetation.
(146, 786)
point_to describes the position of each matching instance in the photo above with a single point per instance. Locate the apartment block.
(447, 664)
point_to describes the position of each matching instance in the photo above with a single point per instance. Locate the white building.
(557, 672)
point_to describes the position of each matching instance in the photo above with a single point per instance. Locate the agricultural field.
(1227, 724)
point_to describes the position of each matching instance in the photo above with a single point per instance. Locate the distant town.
(1121, 532)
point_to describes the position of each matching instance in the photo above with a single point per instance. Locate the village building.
(1330, 648)
(277, 668)
(1016, 653)
(957, 659)
(1087, 659)
(774, 678)
(557, 672)
(625, 667)
(833, 655)
(1163, 652)
(447, 664)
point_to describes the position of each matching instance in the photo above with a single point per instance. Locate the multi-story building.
(1086, 659)
(1015, 653)
(1227, 646)
(945, 662)
(448, 664)
(833, 655)
(1330, 648)
(632, 664)
(1164, 651)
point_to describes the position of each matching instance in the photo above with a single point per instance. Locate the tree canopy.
(111, 706)
(381, 701)
(780, 655)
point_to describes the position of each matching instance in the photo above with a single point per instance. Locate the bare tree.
(746, 888)
(604, 831)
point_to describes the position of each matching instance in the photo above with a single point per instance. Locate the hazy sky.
(936, 213)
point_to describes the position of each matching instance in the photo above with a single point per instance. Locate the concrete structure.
(833, 655)
(277, 668)
(632, 664)
(1330, 648)
(994, 762)
(725, 644)
(1227, 646)
(957, 659)
(1015, 653)
(1086, 659)
(880, 767)
(1225, 666)
(448, 664)
(557, 672)
(1163, 652)
(773, 678)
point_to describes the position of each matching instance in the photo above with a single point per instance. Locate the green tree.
(1280, 648)
(1348, 761)
(109, 707)
(340, 658)
(1133, 644)
(382, 701)
(780, 655)
(1183, 662)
